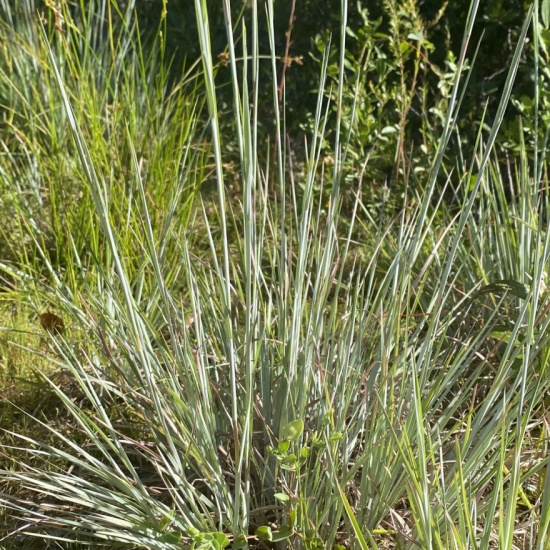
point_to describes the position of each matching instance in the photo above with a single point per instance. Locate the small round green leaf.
(283, 447)
(264, 533)
(293, 430)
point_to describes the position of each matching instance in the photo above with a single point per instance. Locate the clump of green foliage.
(241, 370)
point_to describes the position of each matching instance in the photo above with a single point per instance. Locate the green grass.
(266, 366)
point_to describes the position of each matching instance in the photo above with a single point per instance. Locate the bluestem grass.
(289, 383)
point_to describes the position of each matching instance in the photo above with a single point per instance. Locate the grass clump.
(252, 370)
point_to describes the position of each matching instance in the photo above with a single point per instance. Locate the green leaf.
(282, 497)
(221, 539)
(293, 430)
(283, 447)
(212, 541)
(314, 543)
(264, 533)
(416, 36)
(545, 38)
(404, 47)
(292, 517)
(194, 533)
(282, 534)
(328, 417)
(165, 521)
(173, 537)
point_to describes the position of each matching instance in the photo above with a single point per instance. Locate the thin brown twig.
(288, 34)
(280, 88)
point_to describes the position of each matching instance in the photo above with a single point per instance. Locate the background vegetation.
(402, 54)
(274, 280)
